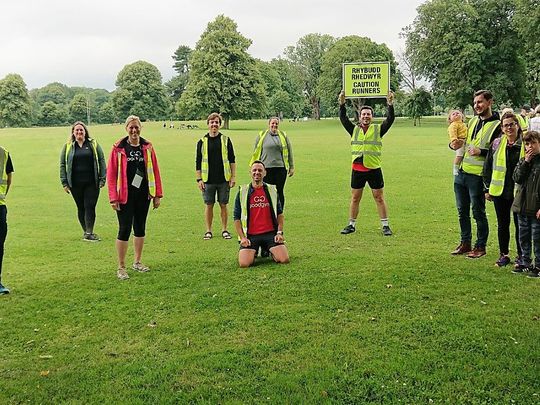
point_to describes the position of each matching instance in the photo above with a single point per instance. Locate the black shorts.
(264, 240)
(374, 178)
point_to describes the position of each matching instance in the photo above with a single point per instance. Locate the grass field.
(352, 319)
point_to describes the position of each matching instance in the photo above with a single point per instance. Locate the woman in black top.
(83, 173)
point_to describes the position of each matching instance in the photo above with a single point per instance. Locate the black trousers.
(86, 197)
(277, 176)
(3, 234)
(133, 214)
(503, 210)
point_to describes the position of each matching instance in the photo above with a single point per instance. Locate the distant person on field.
(215, 171)
(527, 203)
(499, 185)
(83, 173)
(457, 130)
(258, 219)
(468, 184)
(134, 180)
(366, 150)
(273, 148)
(6, 166)
(534, 122)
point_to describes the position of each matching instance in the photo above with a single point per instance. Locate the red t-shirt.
(260, 213)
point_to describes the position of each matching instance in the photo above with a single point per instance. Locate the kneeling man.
(258, 219)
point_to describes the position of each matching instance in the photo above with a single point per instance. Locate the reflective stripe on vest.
(224, 158)
(284, 149)
(150, 173)
(368, 145)
(244, 197)
(3, 176)
(499, 167)
(119, 174)
(475, 164)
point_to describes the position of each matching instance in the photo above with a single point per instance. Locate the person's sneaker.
(504, 260)
(463, 247)
(141, 268)
(386, 231)
(122, 273)
(91, 237)
(476, 253)
(348, 229)
(3, 290)
(535, 273)
(521, 268)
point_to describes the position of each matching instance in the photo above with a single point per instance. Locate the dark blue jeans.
(529, 228)
(469, 191)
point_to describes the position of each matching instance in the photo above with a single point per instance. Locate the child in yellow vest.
(457, 130)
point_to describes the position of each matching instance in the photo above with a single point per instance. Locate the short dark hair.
(486, 93)
(258, 161)
(213, 116)
(366, 107)
(531, 136)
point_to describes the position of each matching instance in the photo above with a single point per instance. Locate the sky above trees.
(87, 43)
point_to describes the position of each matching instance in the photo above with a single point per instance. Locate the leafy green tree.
(223, 77)
(463, 46)
(181, 59)
(307, 56)
(526, 20)
(107, 114)
(351, 49)
(15, 103)
(140, 91)
(56, 92)
(78, 108)
(52, 114)
(417, 104)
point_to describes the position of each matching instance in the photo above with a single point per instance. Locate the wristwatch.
(199, 180)
(279, 233)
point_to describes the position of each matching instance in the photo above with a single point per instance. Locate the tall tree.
(15, 103)
(347, 50)
(140, 91)
(417, 104)
(526, 22)
(465, 45)
(79, 108)
(307, 56)
(223, 77)
(181, 59)
(52, 114)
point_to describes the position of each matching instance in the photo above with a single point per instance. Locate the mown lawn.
(352, 319)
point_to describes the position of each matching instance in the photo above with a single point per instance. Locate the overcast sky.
(87, 43)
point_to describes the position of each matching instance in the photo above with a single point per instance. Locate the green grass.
(352, 319)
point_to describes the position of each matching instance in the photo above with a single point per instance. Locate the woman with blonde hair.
(134, 180)
(82, 174)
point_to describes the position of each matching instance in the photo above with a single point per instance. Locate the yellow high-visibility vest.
(224, 158)
(284, 148)
(499, 167)
(3, 176)
(475, 164)
(244, 201)
(368, 145)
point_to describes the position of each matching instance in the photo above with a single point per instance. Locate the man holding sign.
(366, 148)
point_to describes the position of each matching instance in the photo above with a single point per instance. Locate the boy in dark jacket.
(527, 203)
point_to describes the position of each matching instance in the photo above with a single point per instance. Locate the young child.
(527, 204)
(457, 130)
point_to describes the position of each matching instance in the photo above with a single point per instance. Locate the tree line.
(454, 46)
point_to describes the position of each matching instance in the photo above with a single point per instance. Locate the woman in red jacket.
(133, 179)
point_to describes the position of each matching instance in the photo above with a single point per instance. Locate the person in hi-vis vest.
(215, 171)
(499, 186)
(6, 166)
(273, 148)
(468, 183)
(258, 219)
(366, 149)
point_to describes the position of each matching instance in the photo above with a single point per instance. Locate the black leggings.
(86, 197)
(133, 214)
(278, 177)
(502, 209)
(3, 234)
